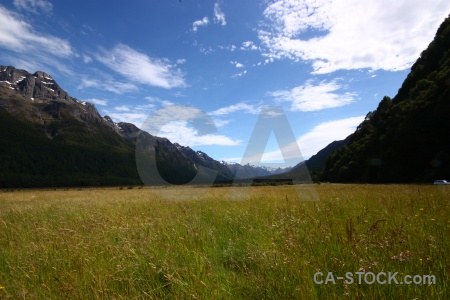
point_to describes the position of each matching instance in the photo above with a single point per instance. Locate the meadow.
(139, 243)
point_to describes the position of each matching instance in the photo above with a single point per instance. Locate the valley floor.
(217, 243)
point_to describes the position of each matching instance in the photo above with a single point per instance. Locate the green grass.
(136, 244)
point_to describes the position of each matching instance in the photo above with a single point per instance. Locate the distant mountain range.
(49, 138)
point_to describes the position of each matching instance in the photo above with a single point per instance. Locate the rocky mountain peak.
(40, 99)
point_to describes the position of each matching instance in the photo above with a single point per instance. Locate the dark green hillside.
(28, 158)
(406, 139)
(48, 138)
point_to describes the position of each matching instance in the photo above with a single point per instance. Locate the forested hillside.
(406, 139)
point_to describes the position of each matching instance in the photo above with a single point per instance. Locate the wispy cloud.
(86, 58)
(186, 125)
(318, 138)
(136, 118)
(108, 85)
(34, 6)
(221, 123)
(353, 34)
(313, 97)
(122, 108)
(19, 36)
(98, 101)
(198, 23)
(184, 134)
(135, 114)
(158, 101)
(239, 74)
(238, 107)
(173, 112)
(219, 16)
(140, 68)
(325, 133)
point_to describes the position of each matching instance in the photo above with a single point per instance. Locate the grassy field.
(136, 244)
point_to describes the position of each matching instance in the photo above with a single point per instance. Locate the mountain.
(250, 171)
(52, 139)
(406, 138)
(316, 163)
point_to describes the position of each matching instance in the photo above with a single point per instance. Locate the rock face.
(199, 158)
(38, 98)
(39, 85)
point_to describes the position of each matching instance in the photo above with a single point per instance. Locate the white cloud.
(136, 118)
(173, 112)
(139, 67)
(310, 97)
(248, 45)
(351, 34)
(239, 74)
(237, 64)
(108, 85)
(220, 122)
(122, 108)
(86, 58)
(181, 61)
(176, 123)
(318, 138)
(323, 134)
(19, 36)
(180, 132)
(135, 114)
(34, 6)
(198, 23)
(158, 100)
(273, 156)
(240, 107)
(98, 101)
(36, 61)
(219, 16)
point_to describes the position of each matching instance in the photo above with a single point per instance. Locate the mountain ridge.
(37, 102)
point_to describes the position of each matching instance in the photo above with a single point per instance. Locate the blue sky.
(326, 63)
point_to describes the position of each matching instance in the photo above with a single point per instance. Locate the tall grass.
(135, 244)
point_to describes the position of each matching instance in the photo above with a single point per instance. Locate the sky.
(325, 63)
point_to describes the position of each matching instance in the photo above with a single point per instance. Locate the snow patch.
(200, 154)
(20, 79)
